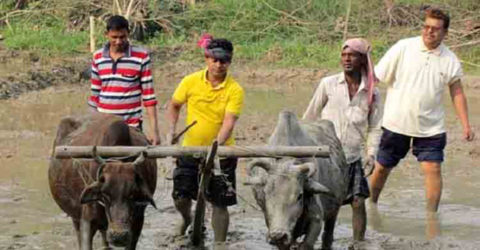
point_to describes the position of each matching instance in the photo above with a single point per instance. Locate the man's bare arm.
(460, 103)
(153, 122)
(227, 128)
(173, 112)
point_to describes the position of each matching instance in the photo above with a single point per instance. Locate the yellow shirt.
(207, 105)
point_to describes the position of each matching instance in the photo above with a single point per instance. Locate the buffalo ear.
(317, 188)
(144, 190)
(152, 202)
(91, 193)
(148, 196)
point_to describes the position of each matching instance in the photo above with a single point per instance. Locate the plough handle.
(205, 174)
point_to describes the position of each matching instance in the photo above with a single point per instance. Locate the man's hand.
(154, 135)
(170, 139)
(369, 165)
(460, 104)
(154, 138)
(468, 133)
(227, 128)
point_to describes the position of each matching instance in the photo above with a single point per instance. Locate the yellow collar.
(220, 85)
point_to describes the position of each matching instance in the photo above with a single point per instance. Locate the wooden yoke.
(205, 175)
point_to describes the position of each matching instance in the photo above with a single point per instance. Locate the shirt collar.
(363, 85)
(437, 51)
(220, 85)
(106, 50)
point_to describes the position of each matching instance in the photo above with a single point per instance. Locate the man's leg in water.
(359, 218)
(183, 205)
(220, 222)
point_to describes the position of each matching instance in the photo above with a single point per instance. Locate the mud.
(29, 218)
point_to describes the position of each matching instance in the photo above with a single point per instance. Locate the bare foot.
(220, 246)
(182, 227)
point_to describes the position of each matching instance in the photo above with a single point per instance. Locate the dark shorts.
(221, 189)
(358, 185)
(393, 147)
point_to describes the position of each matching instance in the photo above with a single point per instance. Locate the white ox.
(297, 195)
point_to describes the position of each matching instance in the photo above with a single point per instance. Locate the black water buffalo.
(298, 195)
(109, 196)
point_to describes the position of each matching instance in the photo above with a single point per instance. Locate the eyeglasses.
(433, 28)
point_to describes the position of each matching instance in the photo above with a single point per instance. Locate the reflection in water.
(373, 217)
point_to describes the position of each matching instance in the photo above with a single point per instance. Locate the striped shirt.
(119, 87)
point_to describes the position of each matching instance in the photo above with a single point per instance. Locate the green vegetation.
(50, 37)
(283, 33)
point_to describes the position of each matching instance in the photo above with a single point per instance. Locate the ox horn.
(137, 164)
(140, 159)
(101, 162)
(309, 168)
(263, 163)
(317, 188)
(257, 180)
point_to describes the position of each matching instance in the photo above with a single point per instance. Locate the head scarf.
(217, 53)
(363, 47)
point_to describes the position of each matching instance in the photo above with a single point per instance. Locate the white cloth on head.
(362, 46)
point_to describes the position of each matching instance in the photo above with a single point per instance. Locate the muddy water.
(29, 218)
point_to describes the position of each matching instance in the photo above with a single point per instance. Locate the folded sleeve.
(235, 101)
(386, 68)
(181, 92)
(374, 132)
(95, 85)
(146, 82)
(456, 72)
(317, 102)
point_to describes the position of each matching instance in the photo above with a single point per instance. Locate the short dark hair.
(221, 43)
(436, 13)
(117, 23)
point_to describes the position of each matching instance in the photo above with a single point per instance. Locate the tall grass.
(50, 36)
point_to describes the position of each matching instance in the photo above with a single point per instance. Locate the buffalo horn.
(263, 163)
(101, 162)
(308, 168)
(140, 159)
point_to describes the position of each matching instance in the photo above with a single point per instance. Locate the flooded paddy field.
(30, 219)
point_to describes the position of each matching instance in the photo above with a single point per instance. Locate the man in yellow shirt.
(214, 99)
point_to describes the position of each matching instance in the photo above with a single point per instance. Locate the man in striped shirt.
(121, 79)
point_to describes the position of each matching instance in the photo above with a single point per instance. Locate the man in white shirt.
(350, 100)
(417, 70)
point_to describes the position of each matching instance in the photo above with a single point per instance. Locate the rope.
(230, 188)
(79, 166)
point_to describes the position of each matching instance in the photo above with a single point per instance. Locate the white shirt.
(353, 119)
(416, 79)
